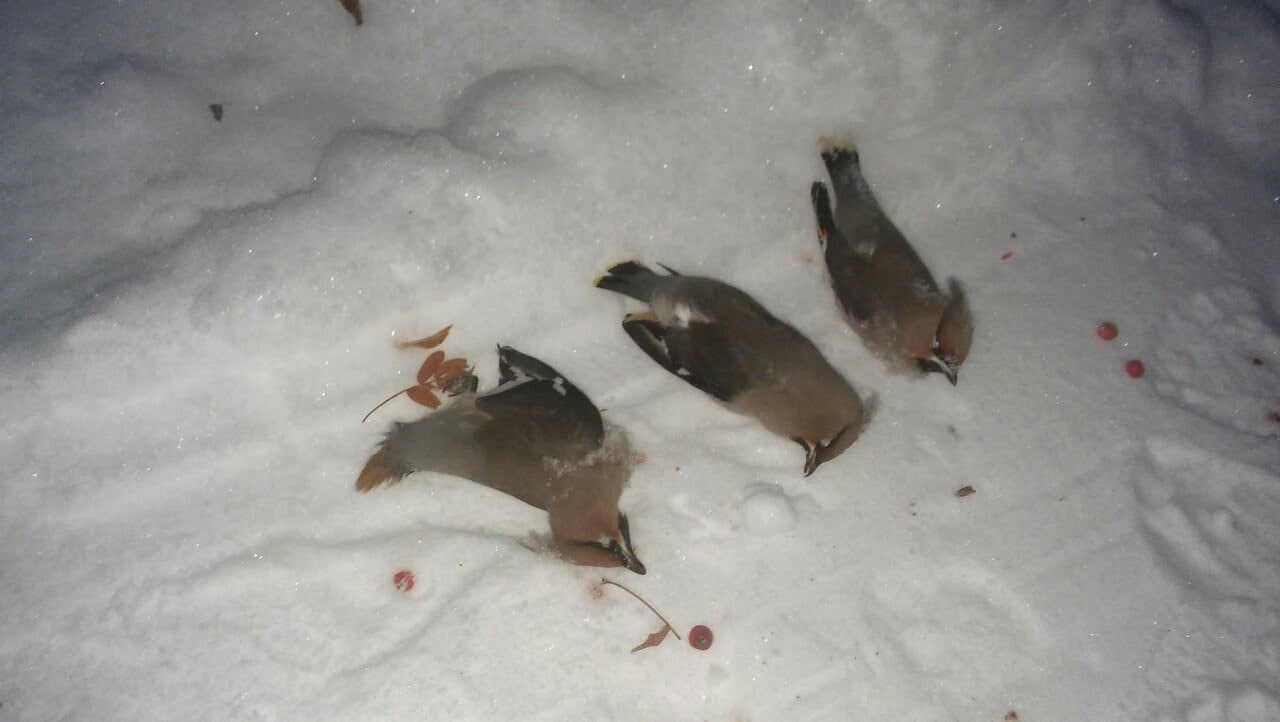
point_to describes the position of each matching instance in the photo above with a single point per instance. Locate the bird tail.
(630, 279)
(838, 153)
(853, 194)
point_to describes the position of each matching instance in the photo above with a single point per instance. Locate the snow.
(195, 314)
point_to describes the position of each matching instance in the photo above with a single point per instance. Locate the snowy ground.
(194, 315)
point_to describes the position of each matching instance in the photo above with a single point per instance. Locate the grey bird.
(887, 294)
(720, 340)
(535, 437)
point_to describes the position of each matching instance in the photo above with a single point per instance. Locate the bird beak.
(627, 556)
(630, 562)
(939, 365)
(952, 373)
(810, 457)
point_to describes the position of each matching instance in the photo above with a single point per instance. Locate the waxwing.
(720, 340)
(887, 294)
(535, 437)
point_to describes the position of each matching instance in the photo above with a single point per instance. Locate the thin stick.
(642, 601)
(384, 403)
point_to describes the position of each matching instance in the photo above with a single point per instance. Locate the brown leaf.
(429, 367)
(353, 7)
(376, 472)
(424, 396)
(216, 109)
(449, 369)
(965, 491)
(429, 342)
(654, 639)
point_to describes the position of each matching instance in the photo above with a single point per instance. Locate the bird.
(885, 290)
(721, 340)
(536, 437)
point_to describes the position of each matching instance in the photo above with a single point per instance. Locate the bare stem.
(384, 403)
(642, 601)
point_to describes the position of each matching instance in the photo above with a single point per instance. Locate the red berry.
(1006, 255)
(700, 637)
(403, 580)
(1134, 368)
(1108, 331)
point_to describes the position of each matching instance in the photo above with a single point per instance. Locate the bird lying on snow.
(535, 437)
(720, 340)
(888, 296)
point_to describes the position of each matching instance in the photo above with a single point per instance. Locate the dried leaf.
(424, 396)
(429, 342)
(654, 639)
(429, 368)
(376, 472)
(216, 109)
(965, 491)
(353, 7)
(449, 369)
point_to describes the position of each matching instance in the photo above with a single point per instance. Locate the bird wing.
(852, 278)
(695, 352)
(705, 355)
(541, 419)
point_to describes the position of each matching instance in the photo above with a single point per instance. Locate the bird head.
(952, 338)
(836, 422)
(820, 450)
(616, 544)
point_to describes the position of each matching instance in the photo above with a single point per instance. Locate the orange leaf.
(429, 342)
(654, 639)
(376, 472)
(428, 368)
(424, 396)
(449, 369)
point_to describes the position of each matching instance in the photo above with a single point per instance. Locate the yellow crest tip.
(830, 142)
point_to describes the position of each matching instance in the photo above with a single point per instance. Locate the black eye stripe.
(625, 527)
